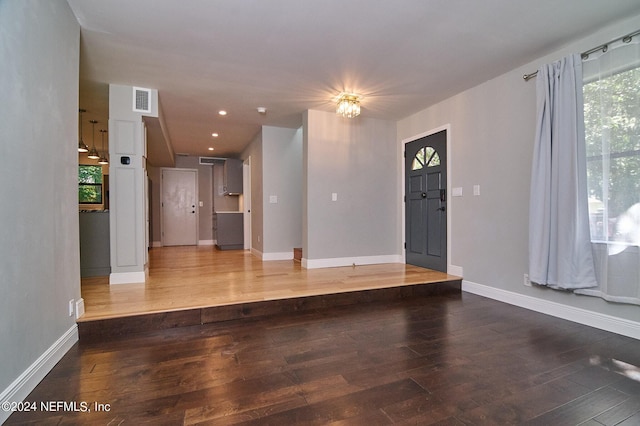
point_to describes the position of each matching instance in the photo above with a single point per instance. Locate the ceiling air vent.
(211, 160)
(141, 100)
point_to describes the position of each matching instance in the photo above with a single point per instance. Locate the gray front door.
(426, 200)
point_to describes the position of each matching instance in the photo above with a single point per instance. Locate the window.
(90, 184)
(427, 156)
(612, 134)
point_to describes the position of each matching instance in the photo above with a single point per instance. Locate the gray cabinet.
(230, 232)
(232, 176)
(95, 255)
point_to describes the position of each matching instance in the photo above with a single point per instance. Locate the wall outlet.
(527, 282)
(71, 307)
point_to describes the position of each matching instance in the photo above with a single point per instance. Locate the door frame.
(451, 269)
(246, 202)
(197, 198)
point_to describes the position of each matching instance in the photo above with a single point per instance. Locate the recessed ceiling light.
(215, 135)
(210, 148)
(222, 112)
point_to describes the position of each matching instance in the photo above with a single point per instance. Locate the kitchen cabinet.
(230, 230)
(232, 176)
(95, 255)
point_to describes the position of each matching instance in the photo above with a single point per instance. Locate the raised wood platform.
(200, 285)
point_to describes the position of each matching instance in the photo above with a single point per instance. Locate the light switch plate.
(273, 199)
(476, 189)
(456, 192)
(334, 196)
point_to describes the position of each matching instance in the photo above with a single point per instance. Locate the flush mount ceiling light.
(82, 147)
(93, 152)
(215, 135)
(222, 112)
(348, 105)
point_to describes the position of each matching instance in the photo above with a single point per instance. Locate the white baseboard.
(206, 242)
(581, 316)
(156, 244)
(349, 261)
(127, 277)
(29, 379)
(257, 253)
(455, 270)
(287, 255)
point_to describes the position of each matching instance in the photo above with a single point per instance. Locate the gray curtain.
(559, 241)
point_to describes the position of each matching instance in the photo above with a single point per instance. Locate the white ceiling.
(294, 55)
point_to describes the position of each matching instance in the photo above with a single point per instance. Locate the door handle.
(424, 195)
(441, 209)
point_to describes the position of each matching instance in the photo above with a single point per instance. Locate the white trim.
(257, 253)
(206, 242)
(127, 277)
(156, 244)
(29, 379)
(79, 308)
(455, 270)
(246, 202)
(403, 231)
(350, 261)
(287, 255)
(582, 316)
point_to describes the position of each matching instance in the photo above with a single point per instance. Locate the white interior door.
(179, 207)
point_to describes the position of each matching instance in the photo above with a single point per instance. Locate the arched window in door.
(426, 157)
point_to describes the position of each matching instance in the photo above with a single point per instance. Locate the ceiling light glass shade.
(348, 106)
(82, 147)
(103, 160)
(93, 154)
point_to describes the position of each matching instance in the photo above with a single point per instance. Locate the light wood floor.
(196, 277)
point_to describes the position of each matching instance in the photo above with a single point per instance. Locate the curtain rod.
(584, 55)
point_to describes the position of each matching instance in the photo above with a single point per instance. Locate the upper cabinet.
(232, 176)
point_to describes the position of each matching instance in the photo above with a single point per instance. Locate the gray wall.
(39, 242)
(492, 133)
(355, 159)
(155, 234)
(282, 178)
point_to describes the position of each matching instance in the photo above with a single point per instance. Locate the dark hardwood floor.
(444, 359)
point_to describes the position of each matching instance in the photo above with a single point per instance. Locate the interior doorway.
(246, 202)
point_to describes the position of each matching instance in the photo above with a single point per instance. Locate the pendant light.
(82, 147)
(93, 152)
(103, 157)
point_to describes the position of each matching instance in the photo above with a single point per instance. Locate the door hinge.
(405, 198)
(405, 245)
(404, 154)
